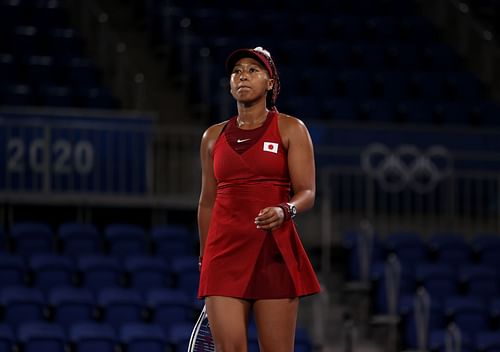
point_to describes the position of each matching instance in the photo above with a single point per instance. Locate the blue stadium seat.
(8, 68)
(179, 334)
(100, 271)
(55, 95)
(417, 112)
(93, 337)
(25, 40)
(302, 340)
(464, 85)
(392, 85)
(78, 238)
(17, 94)
(382, 28)
(186, 271)
(438, 56)
(408, 246)
(22, 304)
(369, 55)
(140, 337)
(13, 269)
(404, 55)
(428, 85)
(169, 306)
(126, 239)
(437, 341)
(347, 27)
(64, 42)
(409, 326)
(32, 237)
(52, 270)
(146, 272)
(449, 247)
(377, 110)
(488, 341)
(340, 109)
(468, 313)
(7, 338)
(486, 247)
(120, 305)
(41, 336)
(480, 281)
(454, 113)
(333, 54)
(170, 240)
(40, 69)
(71, 305)
(438, 279)
(354, 84)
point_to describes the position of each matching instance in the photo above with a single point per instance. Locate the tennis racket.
(201, 338)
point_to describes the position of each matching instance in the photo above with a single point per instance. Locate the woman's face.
(249, 81)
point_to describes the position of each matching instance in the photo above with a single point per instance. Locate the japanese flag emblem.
(270, 147)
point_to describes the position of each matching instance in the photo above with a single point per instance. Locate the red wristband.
(286, 211)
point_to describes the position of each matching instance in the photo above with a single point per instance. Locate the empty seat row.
(113, 305)
(102, 337)
(411, 111)
(94, 271)
(118, 239)
(94, 337)
(476, 323)
(41, 71)
(447, 248)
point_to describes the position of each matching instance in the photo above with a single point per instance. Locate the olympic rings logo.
(407, 167)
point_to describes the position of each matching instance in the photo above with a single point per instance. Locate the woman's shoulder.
(214, 131)
(286, 121)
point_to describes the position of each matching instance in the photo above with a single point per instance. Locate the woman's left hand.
(270, 218)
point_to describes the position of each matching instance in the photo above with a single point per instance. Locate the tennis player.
(258, 173)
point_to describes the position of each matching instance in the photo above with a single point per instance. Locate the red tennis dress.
(240, 260)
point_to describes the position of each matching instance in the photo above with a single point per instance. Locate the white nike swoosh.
(242, 140)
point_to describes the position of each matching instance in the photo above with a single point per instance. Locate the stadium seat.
(450, 248)
(486, 247)
(32, 237)
(479, 281)
(170, 240)
(186, 271)
(140, 337)
(93, 337)
(78, 239)
(169, 306)
(22, 304)
(52, 270)
(468, 313)
(42, 336)
(408, 246)
(488, 341)
(438, 279)
(126, 239)
(7, 338)
(13, 269)
(179, 334)
(120, 305)
(98, 271)
(71, 305)
(146, 272)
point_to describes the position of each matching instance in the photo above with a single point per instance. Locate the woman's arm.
(301, 167)
(208, 183)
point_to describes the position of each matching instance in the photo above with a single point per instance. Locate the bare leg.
(276, 320)
(228, 318)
